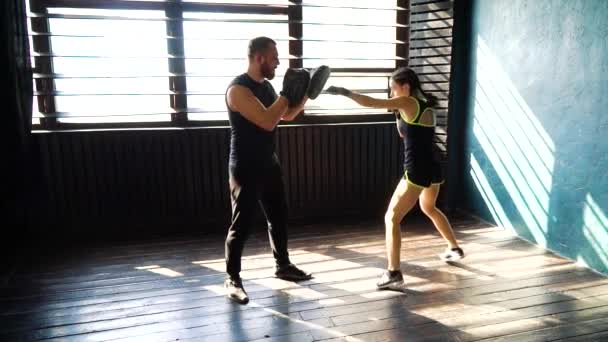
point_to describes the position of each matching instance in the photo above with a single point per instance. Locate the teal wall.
(535, 123)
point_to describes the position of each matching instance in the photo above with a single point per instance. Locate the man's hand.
(293, 112)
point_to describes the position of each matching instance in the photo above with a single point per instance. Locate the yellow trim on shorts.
(420, 186)
(412, 183)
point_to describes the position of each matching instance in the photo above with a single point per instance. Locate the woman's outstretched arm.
(404, 103)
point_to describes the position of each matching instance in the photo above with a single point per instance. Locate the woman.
(422, 178)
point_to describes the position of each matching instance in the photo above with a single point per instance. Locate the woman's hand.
(338, 91)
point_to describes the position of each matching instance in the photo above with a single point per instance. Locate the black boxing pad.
(318, 77)
(295, 85)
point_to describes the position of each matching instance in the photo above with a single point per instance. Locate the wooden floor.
(505, 289)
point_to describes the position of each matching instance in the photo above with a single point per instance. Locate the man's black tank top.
(250, 145)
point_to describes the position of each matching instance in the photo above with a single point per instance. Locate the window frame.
(44, 76)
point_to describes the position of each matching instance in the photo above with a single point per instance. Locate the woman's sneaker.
(390, 280)
(452, 254)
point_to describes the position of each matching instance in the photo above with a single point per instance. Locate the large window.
(353, 35)
(216, 51)
(138, 63)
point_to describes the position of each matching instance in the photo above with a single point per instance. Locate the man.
(255, 173)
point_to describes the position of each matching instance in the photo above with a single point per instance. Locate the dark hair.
(406, 75)
(258, 45)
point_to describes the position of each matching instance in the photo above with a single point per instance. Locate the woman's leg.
(428, 201)
(403, 200)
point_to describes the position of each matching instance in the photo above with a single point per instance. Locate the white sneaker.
(390, 281)
(452, 254)
(235, 291)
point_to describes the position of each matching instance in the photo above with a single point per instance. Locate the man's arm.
(242, 100)
(293, 113)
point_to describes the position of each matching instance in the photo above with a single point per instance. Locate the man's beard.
(267, 71)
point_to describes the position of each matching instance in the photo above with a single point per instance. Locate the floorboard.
(168, 290)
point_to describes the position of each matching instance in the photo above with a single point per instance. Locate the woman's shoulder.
(407, 99)
(408, 106)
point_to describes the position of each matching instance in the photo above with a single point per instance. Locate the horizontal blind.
(124, 61)
(430, 56)
(358, 40)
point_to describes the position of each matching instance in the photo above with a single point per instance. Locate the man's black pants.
(250, 189)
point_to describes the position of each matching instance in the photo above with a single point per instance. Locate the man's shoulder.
(242, 79)
(239, 84)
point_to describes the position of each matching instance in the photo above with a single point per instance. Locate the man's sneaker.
(292, 273)
(452, 254)
(235, 291)
(390, 280)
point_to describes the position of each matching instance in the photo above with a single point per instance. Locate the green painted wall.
(534, 126)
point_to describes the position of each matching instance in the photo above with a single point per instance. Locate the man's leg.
(274, 203)
(244, 203)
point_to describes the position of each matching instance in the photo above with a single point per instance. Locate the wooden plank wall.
(430, 56)
(177, 179)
